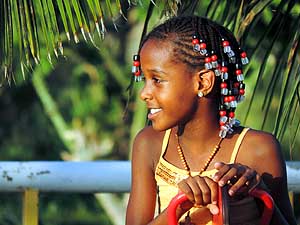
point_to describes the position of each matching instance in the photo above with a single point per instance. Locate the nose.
(146, 93)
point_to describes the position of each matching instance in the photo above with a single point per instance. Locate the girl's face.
(170, 89)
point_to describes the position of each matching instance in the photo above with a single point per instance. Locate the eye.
(156, 80)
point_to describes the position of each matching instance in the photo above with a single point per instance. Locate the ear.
(205, 81)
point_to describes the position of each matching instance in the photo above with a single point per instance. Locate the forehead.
(157, 52)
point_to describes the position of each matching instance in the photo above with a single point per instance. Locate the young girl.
(193, 78)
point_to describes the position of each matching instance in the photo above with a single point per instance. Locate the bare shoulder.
(262, 151)
(261, 143)
(147, 144)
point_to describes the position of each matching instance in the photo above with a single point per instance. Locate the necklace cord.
(204, 168)
(208, 161)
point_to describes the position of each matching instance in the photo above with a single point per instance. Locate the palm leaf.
(263, 66)
(243, 18)
(19, 37)
(255, 11)
(42, 23)
(36, 24)
(292, 61)
(9, 45)
(99, 11)
(63, 17)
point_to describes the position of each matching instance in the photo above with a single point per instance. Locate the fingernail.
(221, 183)
(216, 164)
(231, 192)
(215, 211)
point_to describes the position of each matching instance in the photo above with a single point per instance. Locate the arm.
(142, 200)
(275, 178)
(271, 165)
(262, 154)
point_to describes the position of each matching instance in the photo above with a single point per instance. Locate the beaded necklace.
(187, 168)
(208, 161)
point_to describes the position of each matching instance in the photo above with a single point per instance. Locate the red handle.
(175, 202)
(257, 193)
(268, 201)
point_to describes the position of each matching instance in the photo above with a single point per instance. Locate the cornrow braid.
(199, 42)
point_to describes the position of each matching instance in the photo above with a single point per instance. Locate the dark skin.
(170, 92)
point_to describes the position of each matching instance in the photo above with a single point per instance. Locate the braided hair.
(199, 42)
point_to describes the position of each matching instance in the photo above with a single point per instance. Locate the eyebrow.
(157, 71)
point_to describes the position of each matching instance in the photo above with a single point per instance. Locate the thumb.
(214, 209)
(219, 165)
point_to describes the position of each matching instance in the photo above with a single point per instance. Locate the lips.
(153, 112)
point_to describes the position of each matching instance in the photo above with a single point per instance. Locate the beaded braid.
(200, 42)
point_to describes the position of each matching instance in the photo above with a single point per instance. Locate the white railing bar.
(85, 177)
(77, 177)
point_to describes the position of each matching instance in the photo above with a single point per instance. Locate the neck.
(203, 128)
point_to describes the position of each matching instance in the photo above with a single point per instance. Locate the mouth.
(153, 111)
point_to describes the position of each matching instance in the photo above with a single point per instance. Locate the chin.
(160, 127)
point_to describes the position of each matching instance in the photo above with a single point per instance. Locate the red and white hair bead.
(136, 68)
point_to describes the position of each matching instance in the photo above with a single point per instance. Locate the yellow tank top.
(167, 176)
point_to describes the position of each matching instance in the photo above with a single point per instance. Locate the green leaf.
(256, 10)
(77, 10)
(40, 12)
(9, 42)
(118, 3)
(19, 32)
(54, 26)
(291, 62)
(63, 17)
(35, 32)
(2, 35)
(31, 37)
(71, 20)
(101, 30)
(24, 28)
(238, 17)
(268, 51)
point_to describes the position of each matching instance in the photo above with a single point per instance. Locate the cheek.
(186, 96)
(179, 95)
(185, 103)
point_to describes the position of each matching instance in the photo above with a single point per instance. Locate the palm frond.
(274, 51)
(42, 23)
(8, 46)
(287, 97)
(273, 71)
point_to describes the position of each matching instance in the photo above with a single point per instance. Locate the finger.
(204, 196)
(219, 165)
(198, 187)
(213, 186)
(227, 176)
(245, 180)
(256, 181)
(230, 173)
(240, 170)
(222, 169)
(186, 189)
(214, 209)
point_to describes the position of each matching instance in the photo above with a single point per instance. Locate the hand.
(241, 177)
(201, 191)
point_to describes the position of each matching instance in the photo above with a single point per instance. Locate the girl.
(193, 78)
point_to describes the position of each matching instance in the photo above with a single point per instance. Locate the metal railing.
(81, 177)
(61, 176)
